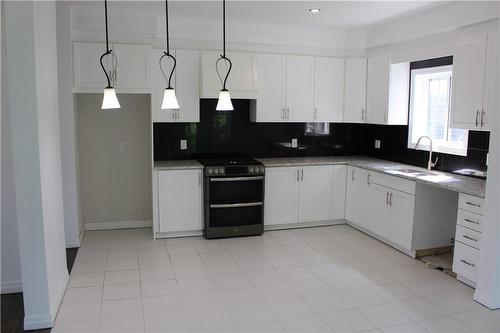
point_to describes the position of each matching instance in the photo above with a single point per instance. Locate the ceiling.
(334, 14)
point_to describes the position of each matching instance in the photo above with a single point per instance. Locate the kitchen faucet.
(430, 164)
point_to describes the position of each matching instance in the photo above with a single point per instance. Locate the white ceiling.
(334, 14)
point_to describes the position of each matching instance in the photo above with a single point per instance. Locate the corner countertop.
(449, 181)
(177, 165)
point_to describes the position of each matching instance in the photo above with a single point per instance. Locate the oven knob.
(250, 169)
(210, 171)
(221, 170)
(216, 171)
(262, 169)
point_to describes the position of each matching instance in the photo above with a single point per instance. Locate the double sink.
(422, 174)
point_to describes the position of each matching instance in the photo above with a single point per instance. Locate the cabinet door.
(242, 81)
(356, 195)
(378, 80)
(282, 196)
(490, 98)
(339, 191)
(401, 221)
(179, 200)
(468, 82)
(87, 71)
(355, 90)
(187, 85)
(299, 85)
(271, 95)
(328, 89)
(315, 193)
(378, 210)
(133, 70)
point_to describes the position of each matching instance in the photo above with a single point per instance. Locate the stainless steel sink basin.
(421, 174)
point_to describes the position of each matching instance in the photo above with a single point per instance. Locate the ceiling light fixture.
(169, 98)
(315, 10)
(224, 102)
(109, 100)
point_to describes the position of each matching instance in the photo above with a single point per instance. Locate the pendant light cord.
(223, 55)
(108, 51)
(167, 54)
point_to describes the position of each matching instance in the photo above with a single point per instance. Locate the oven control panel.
(235, 170)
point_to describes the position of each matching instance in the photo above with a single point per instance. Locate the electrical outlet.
(294, 143)
(184, 145)
(122, 146)
(377, 144)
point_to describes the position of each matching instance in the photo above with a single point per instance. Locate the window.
(430, 97)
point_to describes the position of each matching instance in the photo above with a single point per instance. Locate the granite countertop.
(177, 165)
(457, 183)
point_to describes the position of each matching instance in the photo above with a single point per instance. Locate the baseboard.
(117, 225)
(303, 224)
(486, 300)
(82, 234)
(10, 287)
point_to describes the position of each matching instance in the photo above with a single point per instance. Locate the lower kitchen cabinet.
(401, 220)
(303, 194)
(179, 201)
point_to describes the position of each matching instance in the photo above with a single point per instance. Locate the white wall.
(34, 120)
(114, 161)
(11, 264)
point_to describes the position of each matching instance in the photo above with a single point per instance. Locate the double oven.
(233, 198)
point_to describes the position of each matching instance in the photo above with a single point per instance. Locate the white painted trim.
(59, 297)
(9, 287)
(175, 234)
(82, 234)
(486, 300)
(76, 242)
(117, 225)
(303, 224)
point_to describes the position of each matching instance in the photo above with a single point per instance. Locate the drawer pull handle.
(469, 238)
(470, 221)
(473, 204)
(467, 263)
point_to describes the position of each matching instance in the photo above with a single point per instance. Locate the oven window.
(235, 190)
(234, 217)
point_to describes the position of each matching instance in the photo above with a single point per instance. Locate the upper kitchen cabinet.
(299, 88)
(355, 90)
(132, 74)
(186, 81)
(475, 79)
(270, 101)
(387, 91)
(328, 89)
(242, 82)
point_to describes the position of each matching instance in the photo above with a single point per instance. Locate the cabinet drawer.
(468, 237)
(469, 220)
(395, 183)
(465, 261)
(471, 203)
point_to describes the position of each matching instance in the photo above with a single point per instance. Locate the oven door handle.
(237, 205)
(235, 179)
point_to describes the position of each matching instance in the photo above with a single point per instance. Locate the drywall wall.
(11, 264)
(114, 161)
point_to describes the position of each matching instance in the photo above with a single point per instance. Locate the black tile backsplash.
(232, 132)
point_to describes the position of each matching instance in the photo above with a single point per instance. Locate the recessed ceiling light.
(314, 10)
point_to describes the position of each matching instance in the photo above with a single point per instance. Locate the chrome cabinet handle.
(352, 175)
(368, 179)
(473, 204)
(283, 113)
(390, 199)
(302, 175)
(470, 221)
(467, 263)
(315, 115)
(477, 118)
(362, 114)
(482, 118)
(469, 238)
(387, 199)
(236, 205)
(287, 113)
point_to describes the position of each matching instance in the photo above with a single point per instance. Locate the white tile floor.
(327, 279)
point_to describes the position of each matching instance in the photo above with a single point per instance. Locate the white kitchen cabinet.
(378, 206)
(339, 186)
(469, 63)
(328, 89)
(179, 201)
(242, 81)
(355, 90)
(185, 80)
(490, 96)
(132, 73)
(402, 217)
(299, 88)
(315, 193)
(356, 195)
(282, 196)
(270, 103)
(387, 91)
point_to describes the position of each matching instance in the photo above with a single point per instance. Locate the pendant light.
(109, 100)
(224, 103)
(169, 98)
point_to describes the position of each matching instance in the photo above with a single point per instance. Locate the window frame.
(430, 66)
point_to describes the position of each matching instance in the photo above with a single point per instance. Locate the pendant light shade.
(169, 99)
(224, 103)
(109, 100)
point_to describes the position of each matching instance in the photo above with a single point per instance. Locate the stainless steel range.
(233, 197)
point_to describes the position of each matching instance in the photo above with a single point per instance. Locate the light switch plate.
(377, 144)
(184, 145)
(294, 143)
